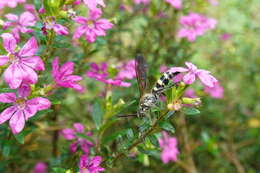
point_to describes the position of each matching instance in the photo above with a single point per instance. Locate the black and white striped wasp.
(148, 99)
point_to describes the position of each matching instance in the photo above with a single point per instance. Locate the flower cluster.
(86, 164)
(169, 148)
(100, 73)
(63, 76)
(92, 27)
(175, 3)
(20, 24)
(90, 165)
(71, 134)
(194, 25)
(21, 110)
(22, 63)
(192, 72)
(10, 3)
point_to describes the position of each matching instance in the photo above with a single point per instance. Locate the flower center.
(13, 58)
(21, 103)
(90, 24)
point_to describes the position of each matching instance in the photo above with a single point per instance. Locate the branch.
(141, 138)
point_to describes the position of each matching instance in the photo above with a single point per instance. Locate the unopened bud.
(192, 101)
(174, 106)
(63, 14)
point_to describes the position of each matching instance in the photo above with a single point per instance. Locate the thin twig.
(141, 138)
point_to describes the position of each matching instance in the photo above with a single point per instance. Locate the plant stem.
(141, 138)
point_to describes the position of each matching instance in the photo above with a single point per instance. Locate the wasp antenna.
(126, 116)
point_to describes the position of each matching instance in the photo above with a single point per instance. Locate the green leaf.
(39, 114)
(169, 114)
(130, 134)
(37, 4)
(114, 136)
(153, 139)
(97, 114)
(58, 170)
(191, 111)
(144, 126)
(166, 125)
(6, 150)
(20, 137)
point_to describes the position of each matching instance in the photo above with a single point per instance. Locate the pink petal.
(9, 42)
(68, 134)
(55, 67)
(28, 74)
(79, 127)
(104, 24)
(177, 69)
(190, 66)
(73, 147)
(17, 122)
(81, 20)
(27, 19)
(67, 68)
(7, 114)
(79, 32)
(40, 103)
(30, 48)
(3, 59)
(24, 90)
(7, 97)
(189, 78)
(34, 62)
(13, 76)
(60, 30)
(29, 111)
(11, 17)
(207, 79)
(95, 161)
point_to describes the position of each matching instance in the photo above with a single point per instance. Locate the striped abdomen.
(163, 82)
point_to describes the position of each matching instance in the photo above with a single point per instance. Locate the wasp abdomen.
(163, 81)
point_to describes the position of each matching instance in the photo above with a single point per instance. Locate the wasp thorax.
(148, 100)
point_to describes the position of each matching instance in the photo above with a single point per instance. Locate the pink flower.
(145, 2)
(193, 72)
(163, 68)
(21, 23)
(92, 26)
(216, 91)
(213, 2)
(127, 70)
(40, 167)
(100, 73)
(195, 25)
(10, 3)
(63, 75)
(175, 3)
(92, 4)
(190, 93)
(71, 134)
(169, 148)
(90, 165)
(58, 28)
(22, 62)
(21, 110)
(225, 36)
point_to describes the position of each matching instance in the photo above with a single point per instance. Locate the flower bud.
(192, 101)
(175, 106)
(63, 14)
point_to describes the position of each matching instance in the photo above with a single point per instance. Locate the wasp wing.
(140, 69)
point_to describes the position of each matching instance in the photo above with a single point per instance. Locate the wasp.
(148, 100)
